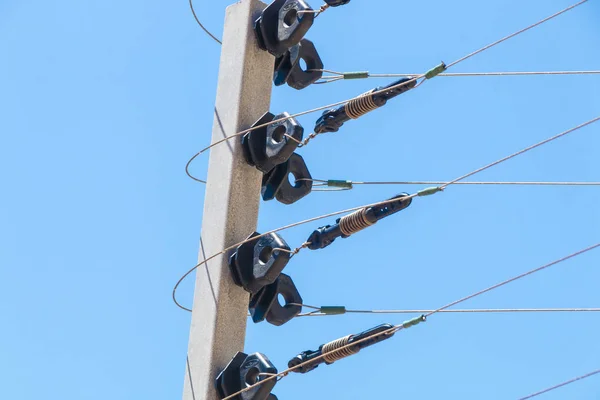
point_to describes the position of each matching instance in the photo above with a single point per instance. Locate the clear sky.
(103, 102)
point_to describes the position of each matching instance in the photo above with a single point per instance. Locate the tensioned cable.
(515, 34)
(560, 385)
(201, 25)
(483, 183)
(418, 194)
(400, 327)
(366, 74)
(416, 78)
(337, 184)
(317, 311)
(442, 187)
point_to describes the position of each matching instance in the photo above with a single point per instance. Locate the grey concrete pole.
(218, 326)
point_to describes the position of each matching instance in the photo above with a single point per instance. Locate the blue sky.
(103, 102)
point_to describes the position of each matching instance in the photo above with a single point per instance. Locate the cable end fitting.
(414, 321)
(429, 191)
(356, 75)
(339, 183)
(435, 71)
(333, 310)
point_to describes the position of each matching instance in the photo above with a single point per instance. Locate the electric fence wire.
(337, 185)
(417, 194)
(337, 76)
(550, 389)
(444, 184)
(400, 327)
(318, 311)
(201, 25)
(421, 77)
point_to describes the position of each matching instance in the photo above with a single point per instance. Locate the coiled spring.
(355, 222)
(331, 353)
(360, 105)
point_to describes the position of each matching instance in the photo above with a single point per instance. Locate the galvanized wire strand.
(318, 12)
(503, 283)
(187, 169)
(508, 73)
(402, 326)
(348, 210)
(560, 385)
(515, 34)
(320, 183)
(416, 78)
(201, 25)
(333, 78)
(482, 183)
(525, 150)
(317, 313)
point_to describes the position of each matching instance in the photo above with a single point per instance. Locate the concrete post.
(218, 326)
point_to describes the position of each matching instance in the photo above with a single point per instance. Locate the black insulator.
(245, 370)
(276, 184)
(258, 262)
(265, 304)
(268, 146)
(282, 25)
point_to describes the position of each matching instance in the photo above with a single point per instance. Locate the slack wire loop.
(381, 203)
(416, 78)
(201, 25)
(401, 327)
(560, 385)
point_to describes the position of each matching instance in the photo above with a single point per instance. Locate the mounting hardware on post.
(276, 184)
(332, 120)
(271, 151)
(357, 221)
(282, 25)
(258, 263)
(244, 371)
(331, 352)
(269, 146)
(288, 69)
(256, 266)
(265, 304)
